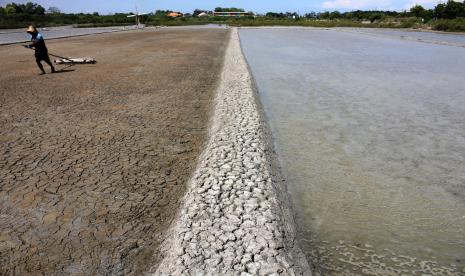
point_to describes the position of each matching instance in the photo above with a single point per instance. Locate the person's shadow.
(64, 71)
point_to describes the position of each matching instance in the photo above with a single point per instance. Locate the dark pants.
(46, 58)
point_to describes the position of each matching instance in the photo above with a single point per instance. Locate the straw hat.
(31, 29)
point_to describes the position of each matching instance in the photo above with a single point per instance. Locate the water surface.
(455, 39)
(370, 131)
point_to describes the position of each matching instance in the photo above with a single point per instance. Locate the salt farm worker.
(41, 51)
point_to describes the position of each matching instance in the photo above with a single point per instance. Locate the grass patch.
(450, 25)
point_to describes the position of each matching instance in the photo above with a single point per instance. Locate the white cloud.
(357, 4)
(377, 4)
(424, 3)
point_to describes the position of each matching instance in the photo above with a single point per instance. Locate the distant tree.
(335, 15)
(324, 15)
(39, 10)
(439, 11)
(12, 8)
(428, 15)
(54, 10)
(32, 8)
(367, 15)
(417, 10)
(359, 15)
(348, 15)
(2, 11)
(454, 9)
(220, 9)
(376, 16)
(310, 15)
(28, 8)
(275, 15)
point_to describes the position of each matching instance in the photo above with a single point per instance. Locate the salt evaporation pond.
(370, 132)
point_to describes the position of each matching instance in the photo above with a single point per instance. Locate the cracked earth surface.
(93, 162)
(233, 220)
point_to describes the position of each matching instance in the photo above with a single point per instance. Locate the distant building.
(203, 14)
(174, 14)
(232, 14)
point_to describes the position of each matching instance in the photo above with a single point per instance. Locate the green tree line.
(449, 10)
(444, 16)
(28, 8)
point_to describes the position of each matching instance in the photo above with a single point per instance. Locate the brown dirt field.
(94, 161)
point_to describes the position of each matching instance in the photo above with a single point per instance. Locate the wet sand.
(370, 132)
(94, 159)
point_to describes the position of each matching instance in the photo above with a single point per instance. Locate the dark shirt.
(39, 44)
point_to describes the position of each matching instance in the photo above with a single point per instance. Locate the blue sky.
(301, 6)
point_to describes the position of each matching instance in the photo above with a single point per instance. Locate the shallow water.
(370, 131)
(457, 39)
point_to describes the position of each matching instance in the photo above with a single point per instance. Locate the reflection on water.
(371, 135)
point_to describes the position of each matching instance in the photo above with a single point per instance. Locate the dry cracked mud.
(235, 218)
(94, 162)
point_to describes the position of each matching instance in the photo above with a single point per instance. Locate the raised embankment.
(235, 217)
